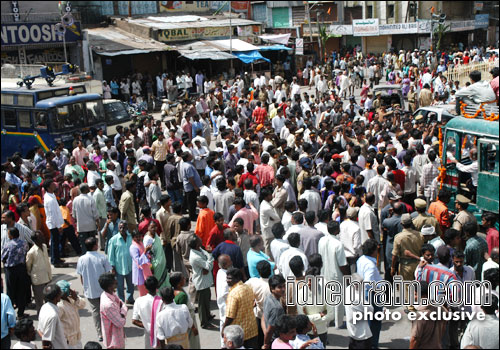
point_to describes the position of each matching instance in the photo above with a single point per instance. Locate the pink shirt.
(494, 85)
(492, 238)
(278, 344)
(265, 173)
(113, 319)
(248, 216)
(79, 154)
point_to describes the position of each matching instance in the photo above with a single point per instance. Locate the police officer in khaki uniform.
(463, 216)
(378, 101)
(423, 218)
(408, 239)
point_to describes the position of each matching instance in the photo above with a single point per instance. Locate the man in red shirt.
(489, 220)
(143, 226)
(259, 114)
(399, 175)
(216, 235)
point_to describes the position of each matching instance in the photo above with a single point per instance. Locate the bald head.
(494, 254)
(224, 261)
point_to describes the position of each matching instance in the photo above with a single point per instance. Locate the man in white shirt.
(222, 288)
(335, 265)
(350, 237)
(478, 92)
(49, 323)
(85, 214)
(174, 321)
(141, 316)
(359, 331)
(92, 174)
(368, 223)
(313, 198)
(377, 184)
(54, 221)
(278, 245)
(297, 224)
(278, 122)
(287, 255)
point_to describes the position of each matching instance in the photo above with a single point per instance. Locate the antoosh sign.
(37, 33)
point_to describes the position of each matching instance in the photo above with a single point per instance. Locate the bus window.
(41, 120)
(468, 144)
(451, 147)
(9, 119)
(95, 112)
(24, 119)
(69, 116)
(489, 157)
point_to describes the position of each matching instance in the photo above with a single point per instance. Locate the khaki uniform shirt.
(462, 218)
(424, 219)
(408, 239)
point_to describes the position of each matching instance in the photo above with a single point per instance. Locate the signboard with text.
(168, 35)
(365, 27)
(399, 28)
(482, 21)
(299, 46)
(37, 33)
(185, 6)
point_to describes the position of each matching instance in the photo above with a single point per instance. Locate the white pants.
(147, 343)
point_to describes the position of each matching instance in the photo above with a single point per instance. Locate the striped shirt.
(160, 150)
(70, 319)
(113, 319)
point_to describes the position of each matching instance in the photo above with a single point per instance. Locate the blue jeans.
(121, 286)
(175, 195)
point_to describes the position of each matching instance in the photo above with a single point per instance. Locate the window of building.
(390, 11)
(369, 11)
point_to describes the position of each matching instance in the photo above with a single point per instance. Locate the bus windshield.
(77, 115)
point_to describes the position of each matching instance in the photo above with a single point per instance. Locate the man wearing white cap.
(429, 235)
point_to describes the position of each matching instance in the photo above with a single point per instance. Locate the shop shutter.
(281, 18)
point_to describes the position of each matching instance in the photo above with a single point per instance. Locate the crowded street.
(241, 174)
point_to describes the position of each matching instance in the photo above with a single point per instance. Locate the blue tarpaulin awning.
(274, 48)
(250, 56)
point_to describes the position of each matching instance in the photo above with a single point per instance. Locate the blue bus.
(46, 115)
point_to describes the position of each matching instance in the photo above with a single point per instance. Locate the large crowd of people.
(249, 184)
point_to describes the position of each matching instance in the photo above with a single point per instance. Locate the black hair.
(90, 243)
(302, 323)
(164, 199)
(192, 241)
(184, 224)
(275, 281)
(285, 324)
(298, 218)
(310, 217)
(470, 229)
(315, 260)
(151, 284)
(14, 232)
(235, 273)
(175, 278)
(264, 268)
(296, 266)
(106, 280)
(333, 227)
(22, 327)
(92, 345)
(427, 247)
(294, 239)
(369, 247)
(167, 294)
(176, 207)
(278, 230)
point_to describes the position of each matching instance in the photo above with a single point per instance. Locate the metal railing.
(461, 73)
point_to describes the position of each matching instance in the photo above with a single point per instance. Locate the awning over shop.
(216, 49)
(276, 38)
(252, 56)
(206, 55)
(274, 48)
(112, 41)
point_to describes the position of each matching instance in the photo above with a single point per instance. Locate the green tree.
(324, 36)
(439, 31)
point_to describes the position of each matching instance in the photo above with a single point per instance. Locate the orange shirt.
(204, 224)
(66, 216)
(440, 212)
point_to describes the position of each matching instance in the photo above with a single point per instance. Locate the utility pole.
(319, 37)
(309, 22)
(230, 35)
